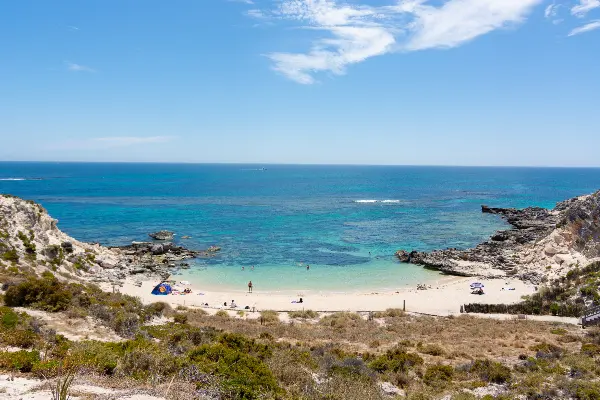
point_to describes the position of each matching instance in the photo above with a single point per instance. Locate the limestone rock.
(162, 235)
(539, 238)
(389, 389)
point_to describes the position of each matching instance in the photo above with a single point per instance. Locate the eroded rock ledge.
(542, 244)
(31, 242)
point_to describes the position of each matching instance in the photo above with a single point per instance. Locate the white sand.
(443, 298)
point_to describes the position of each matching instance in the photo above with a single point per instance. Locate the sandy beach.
(442, 297)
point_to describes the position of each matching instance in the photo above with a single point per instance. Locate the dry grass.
(455, 338)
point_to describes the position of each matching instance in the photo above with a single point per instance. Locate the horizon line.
(301, 164)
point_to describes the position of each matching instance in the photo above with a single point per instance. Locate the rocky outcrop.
(162, 235)
(542, 244)
(31, 240)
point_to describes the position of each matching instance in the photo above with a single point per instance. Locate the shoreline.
(443, 298)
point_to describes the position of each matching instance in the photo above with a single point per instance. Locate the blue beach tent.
(162, 289)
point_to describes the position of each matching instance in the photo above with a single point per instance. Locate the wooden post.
(404, 306)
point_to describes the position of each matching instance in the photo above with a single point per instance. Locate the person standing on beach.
(250, 287)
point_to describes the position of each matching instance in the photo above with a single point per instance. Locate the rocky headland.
(541, 245)
(30, 238)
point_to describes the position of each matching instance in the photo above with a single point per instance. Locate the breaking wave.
(377, 201)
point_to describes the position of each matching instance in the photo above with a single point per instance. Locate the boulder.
(390, 389)
(403, 256)
(162, 235)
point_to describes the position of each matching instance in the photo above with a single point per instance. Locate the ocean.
(346, 222)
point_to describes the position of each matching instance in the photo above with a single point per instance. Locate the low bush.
(10, 255)
(438, 375)
(243, 376)
(180, 318)
(22, 361)
(395, 360)
(269, 317)
(431, 349)
(304, 314)
(489, 371)
(390, 312)
(44, 293)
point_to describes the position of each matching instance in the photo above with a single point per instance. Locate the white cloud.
(254, 13)
(354, 33)
(78, 67)
(586, 28)
(120, 141)
(459, 21)
(584, 6)
(353, 36)
(551, 10)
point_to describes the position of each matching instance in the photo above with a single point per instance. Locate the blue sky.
(438, 82)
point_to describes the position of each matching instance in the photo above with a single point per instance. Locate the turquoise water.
(345, 221)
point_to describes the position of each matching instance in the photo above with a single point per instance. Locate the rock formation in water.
(162, 235)
(542, 244)
(31, 241)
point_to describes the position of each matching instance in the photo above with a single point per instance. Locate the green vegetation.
(10, 255)
(27, 242)
(304, 314)
(263, 358)
(62, 388)
(121, 312)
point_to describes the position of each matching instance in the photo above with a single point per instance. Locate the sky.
(404, 82)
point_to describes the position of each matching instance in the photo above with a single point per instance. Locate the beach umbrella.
(477, 285)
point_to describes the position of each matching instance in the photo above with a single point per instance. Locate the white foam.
(378, 201)
(12, 179)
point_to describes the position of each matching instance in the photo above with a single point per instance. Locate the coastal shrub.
(242, 343)
(44, 293)
(22, 361)
(46, 369)
(147, 361)
(431, 349)
(342, 320)
(395, 360)
(27, 242)
(222, 314)
(390, 312)
(8, 318)
(558, 331)
(489, 371)
(590, 349)
(547, 351)
(438, 375)
(269, 317)
(180, 318)
(94, 357)
(583, 390)
(126, 324)
(243, 376)
(11, 256)
(304, 314)
(353, 368)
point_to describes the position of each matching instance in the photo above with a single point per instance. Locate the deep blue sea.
(345, 221)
